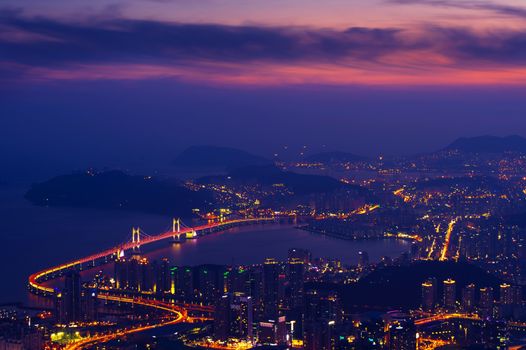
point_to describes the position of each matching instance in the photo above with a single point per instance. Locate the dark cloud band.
(48, 43)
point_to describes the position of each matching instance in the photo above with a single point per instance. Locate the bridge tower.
(176, 225)
(136, 239)
(176, 229)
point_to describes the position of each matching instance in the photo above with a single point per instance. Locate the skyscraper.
(321, 314)
(363, 259)
(450, 294)
(270, 288)
(273, 332)
(486, 302)
(301, 254)
(70, 299)
(162, 277)
(506, 294)
(295, 283)
(468, 298)
(242, 316)
(222, 317)
(429, 293)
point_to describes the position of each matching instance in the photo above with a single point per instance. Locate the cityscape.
(457, 281)
(277, 174)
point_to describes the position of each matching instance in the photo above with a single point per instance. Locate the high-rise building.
(69, 300)
(121, 273)
(242, 317)
(238, 280)
(507, 296)
(486, 302)
(234, 317)
(319, 335)
(162, 277)
(222, 317)
(89, 304)
(145, 276)
(468, 298)
(271, 272)
(402, 335)
(363, 259)
(301, 254)
(429, 294)
(183, 281)
(273, 332)
(295, 279)
(322, 313)
(135, 274)
(450, 294)
(322, 305)
(210, 281)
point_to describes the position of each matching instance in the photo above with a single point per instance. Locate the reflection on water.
(35, 237)
(252, 244)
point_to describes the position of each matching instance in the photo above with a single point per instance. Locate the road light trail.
(178, 315)
(447, 238)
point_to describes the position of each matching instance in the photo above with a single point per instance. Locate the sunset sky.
(375, 76)
(386, 42)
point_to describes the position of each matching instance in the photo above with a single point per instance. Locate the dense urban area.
(459, 285)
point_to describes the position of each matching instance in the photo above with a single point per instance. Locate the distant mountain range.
(334, 157)
(219, 157)
(117, 190)
(300, 184)
(489, 144)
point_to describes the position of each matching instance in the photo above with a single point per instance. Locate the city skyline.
(272, 174)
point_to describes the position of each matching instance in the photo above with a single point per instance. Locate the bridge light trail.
(444, 317)
(35, 280)
(181, 314)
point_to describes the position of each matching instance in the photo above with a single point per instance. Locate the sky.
(110, 82)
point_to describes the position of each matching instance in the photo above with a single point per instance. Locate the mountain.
(269, 175)
(489, 144)
(212, 156)
(117, 190)
(404, 284)
(334, 157)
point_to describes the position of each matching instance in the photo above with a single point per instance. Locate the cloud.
(139, 40)
(138, 49)
(500, 9)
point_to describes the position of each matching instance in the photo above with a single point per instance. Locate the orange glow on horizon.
(272, 74)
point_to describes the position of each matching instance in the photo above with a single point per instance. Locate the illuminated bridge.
(176, 313)
(36, 280)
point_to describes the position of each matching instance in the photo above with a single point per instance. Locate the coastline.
(353, 238)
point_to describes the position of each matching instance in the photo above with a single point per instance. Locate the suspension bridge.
(178, 232)
(176, 312)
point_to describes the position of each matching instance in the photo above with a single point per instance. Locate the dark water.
(33, 238)
(252, 244)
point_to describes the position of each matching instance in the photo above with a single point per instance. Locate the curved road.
(35, 280)
(177, 314)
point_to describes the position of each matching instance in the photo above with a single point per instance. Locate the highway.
(177, 313)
